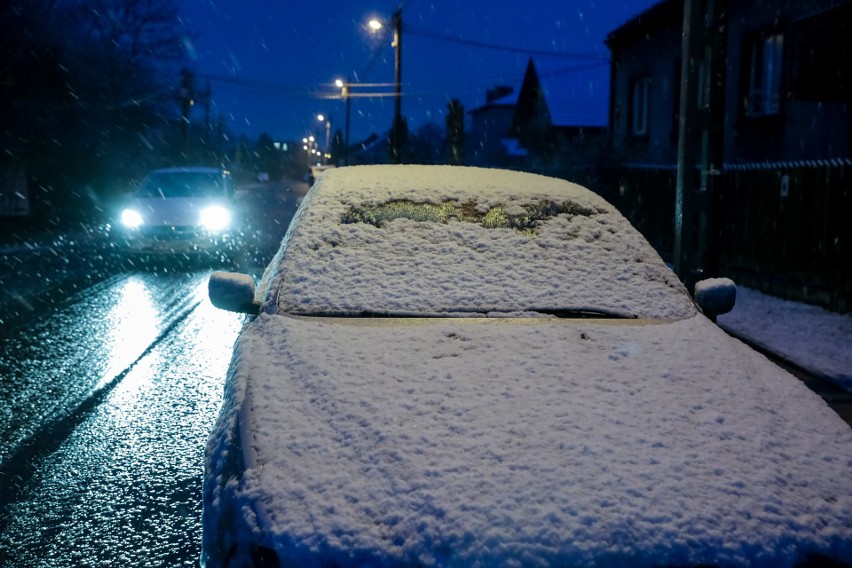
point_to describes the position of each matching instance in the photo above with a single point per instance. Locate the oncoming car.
(179, 210)
(452, 366)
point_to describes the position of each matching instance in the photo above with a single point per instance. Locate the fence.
(784, 228)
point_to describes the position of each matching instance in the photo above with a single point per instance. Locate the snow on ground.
(809, 336)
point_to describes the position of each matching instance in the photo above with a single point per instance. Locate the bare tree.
(84, 82)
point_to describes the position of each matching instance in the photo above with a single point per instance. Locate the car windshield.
(446, 247)
(182, 184)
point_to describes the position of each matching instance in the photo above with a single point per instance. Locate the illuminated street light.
(348, 91)
(396, 129)
(327, 123)
(309, 146)
(344, 93)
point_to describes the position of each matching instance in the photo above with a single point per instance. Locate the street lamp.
(344, 93)
(396, 131)
(309, 145)
(348, 91)
(322, 119)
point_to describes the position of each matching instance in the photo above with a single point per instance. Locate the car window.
(439, 251)
(182, 184)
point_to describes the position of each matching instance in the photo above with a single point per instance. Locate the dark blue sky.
(269, 59)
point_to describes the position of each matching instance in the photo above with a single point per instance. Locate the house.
(787, 139)
(554, 123)
(490, 125)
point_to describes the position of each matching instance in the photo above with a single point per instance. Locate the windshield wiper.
(568, 313)
(591, 313)
(367, 314)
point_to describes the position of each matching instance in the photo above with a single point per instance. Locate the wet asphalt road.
(111, 376)
(106, 407)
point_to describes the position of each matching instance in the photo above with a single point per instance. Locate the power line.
(301, 93)
(501, 47)
(575, 69)
(292, 90)
(594, 60)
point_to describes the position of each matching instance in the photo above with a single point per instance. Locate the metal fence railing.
(784, 227)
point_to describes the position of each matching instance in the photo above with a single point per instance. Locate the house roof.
(508, 100)
(661, 14)
(578, 95)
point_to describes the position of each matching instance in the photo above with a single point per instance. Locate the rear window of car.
(444, 247)
(182, 184)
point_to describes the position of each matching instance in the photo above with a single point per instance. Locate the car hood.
(454, 442)
(177, 211)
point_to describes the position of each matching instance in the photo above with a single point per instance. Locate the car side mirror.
(715, 296)
(233, 292)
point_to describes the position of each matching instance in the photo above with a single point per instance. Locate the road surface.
(111, 376)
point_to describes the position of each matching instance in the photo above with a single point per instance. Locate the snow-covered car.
(179, 211)
(461, 367)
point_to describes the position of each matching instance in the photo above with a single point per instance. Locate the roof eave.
(661, 14)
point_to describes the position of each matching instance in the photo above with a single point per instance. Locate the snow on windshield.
(439, 240)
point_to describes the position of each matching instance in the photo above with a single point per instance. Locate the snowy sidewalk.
(809, 337)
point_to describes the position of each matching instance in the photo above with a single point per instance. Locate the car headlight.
(131, 218)
(215, 218)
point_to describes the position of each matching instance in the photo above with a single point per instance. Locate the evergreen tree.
(398, 140)
(338, 148)
(455, 132)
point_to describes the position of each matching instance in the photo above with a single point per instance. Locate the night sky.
(270, 62)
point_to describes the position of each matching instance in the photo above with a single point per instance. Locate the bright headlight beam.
(131, 218)
(215, 218)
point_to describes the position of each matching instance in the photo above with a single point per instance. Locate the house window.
(640, 106)
(763, 97)
(820, 57)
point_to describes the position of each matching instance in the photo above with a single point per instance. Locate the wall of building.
(813, 120)
(656, 56)
(809, 124)
(784, 203)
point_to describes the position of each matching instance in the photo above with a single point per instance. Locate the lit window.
(764, 76)
(639, 106)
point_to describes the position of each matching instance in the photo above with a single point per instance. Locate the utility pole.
(455, 132)
(398, 126)
(187, 100)
(327, 149)
(325, 121)
(347, 96)
(700, 140)
(208, 94)
(346, 128)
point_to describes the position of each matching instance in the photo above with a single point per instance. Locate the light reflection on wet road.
(105, 406)
(64, 358)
